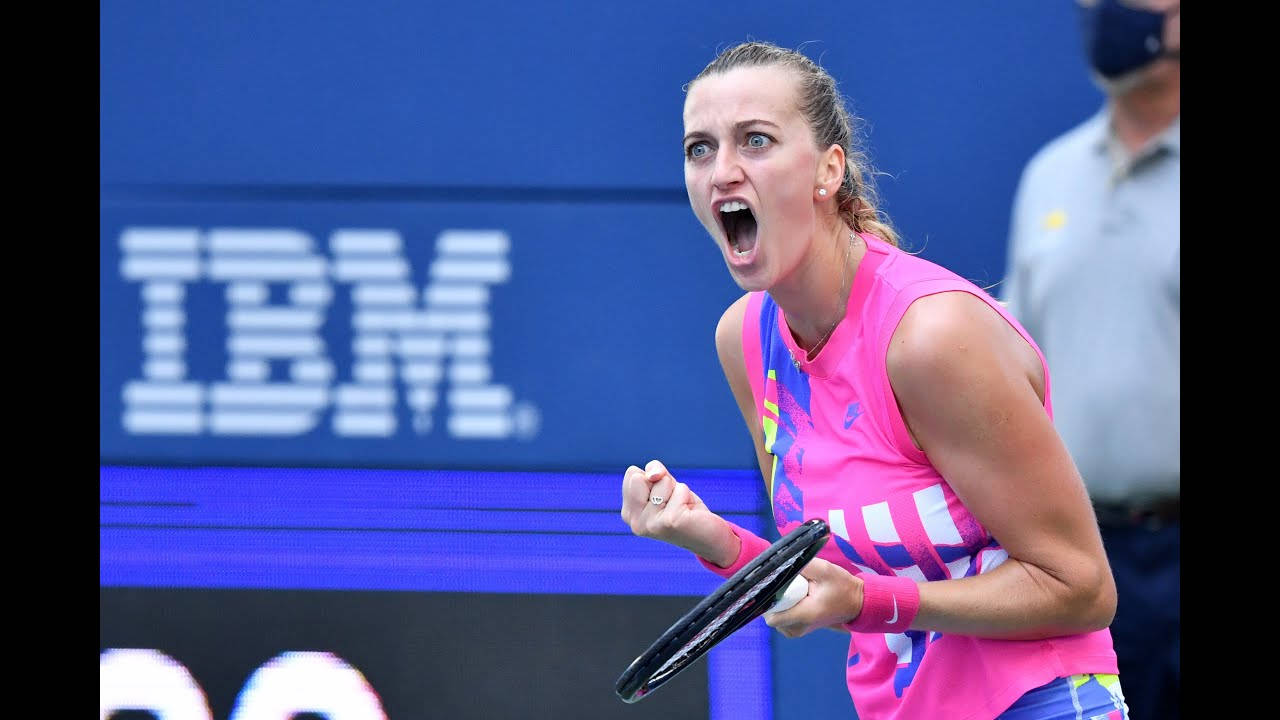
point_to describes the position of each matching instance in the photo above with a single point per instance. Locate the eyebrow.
(736, 126)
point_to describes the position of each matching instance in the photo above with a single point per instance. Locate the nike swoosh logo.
(853, 413)
(893, 619)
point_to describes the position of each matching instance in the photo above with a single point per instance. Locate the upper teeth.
(733, 206)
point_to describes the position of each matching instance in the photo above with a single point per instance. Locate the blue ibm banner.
(456, 235)
(413, 334)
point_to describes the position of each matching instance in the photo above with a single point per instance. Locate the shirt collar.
(1104, 142)
(1171, 138)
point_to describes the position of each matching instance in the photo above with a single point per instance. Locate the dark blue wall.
(559, 125)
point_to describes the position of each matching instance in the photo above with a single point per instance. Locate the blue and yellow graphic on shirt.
(786, 419)
(1086, 697)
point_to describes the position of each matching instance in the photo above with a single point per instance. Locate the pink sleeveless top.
(841, 451)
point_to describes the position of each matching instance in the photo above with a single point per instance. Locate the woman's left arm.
(968, 395)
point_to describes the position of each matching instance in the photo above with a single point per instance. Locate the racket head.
(745, 596)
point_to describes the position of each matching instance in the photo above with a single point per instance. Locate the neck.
(1149, 108)
(815, 297)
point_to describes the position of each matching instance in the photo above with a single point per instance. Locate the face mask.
(1121, 39)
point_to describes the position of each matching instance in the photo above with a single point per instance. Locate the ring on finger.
(656, 499)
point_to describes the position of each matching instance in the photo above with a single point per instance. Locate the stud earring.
(822, 192)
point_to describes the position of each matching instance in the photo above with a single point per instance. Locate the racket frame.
(647, 673)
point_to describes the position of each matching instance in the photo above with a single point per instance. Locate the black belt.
(1153, 515)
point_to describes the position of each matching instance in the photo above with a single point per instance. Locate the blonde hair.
(831, 122)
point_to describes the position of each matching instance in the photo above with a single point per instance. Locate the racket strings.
(696, 642)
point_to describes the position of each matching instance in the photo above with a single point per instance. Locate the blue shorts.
(1079, 697)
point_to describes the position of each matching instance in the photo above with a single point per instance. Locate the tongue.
(744, 236)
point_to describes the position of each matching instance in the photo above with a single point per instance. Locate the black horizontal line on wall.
(311, 528)
(165, 192)
(146, 503)
(608, 510)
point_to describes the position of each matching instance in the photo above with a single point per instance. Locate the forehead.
(745, 93)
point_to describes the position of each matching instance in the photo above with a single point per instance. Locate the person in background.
(899, 403)
(1093, 275)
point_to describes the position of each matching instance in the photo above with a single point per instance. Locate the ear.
(830, 170)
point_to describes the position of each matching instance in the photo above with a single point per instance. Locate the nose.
(728, 169)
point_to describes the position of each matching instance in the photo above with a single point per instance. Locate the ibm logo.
(424, 335)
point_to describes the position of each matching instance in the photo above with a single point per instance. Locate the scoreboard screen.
(235, 593)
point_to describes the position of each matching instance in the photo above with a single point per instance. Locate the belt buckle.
(1157, 515)
(1152, 516)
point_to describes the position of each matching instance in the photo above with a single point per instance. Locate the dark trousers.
(1147, 630)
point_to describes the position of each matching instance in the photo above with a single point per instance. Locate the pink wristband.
(889, 604)
(752, 546)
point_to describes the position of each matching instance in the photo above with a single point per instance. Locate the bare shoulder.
(733, 362)
(729, 329)
(939, 323)
(956, 337)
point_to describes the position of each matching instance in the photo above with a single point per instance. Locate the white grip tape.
(794, 593)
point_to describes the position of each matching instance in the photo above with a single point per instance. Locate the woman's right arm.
(729, 347)
(682, 519)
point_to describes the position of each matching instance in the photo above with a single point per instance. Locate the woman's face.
(750, 167)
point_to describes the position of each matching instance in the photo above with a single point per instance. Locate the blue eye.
(758, 140)
(697, 150)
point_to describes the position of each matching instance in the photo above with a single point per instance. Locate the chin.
(1122, 84)
(752, 281)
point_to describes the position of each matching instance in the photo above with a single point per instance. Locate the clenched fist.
(655, 505)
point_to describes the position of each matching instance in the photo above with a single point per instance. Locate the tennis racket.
(770, 582)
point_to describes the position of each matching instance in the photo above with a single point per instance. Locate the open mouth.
(739, 227)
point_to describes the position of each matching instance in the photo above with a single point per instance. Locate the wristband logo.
(406, 341)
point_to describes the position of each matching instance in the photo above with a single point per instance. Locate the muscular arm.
(682, 519)
(962, 380)
(729, 348)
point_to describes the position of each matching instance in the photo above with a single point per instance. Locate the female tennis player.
(896, 401)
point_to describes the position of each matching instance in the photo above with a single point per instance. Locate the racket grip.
(795, 592)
